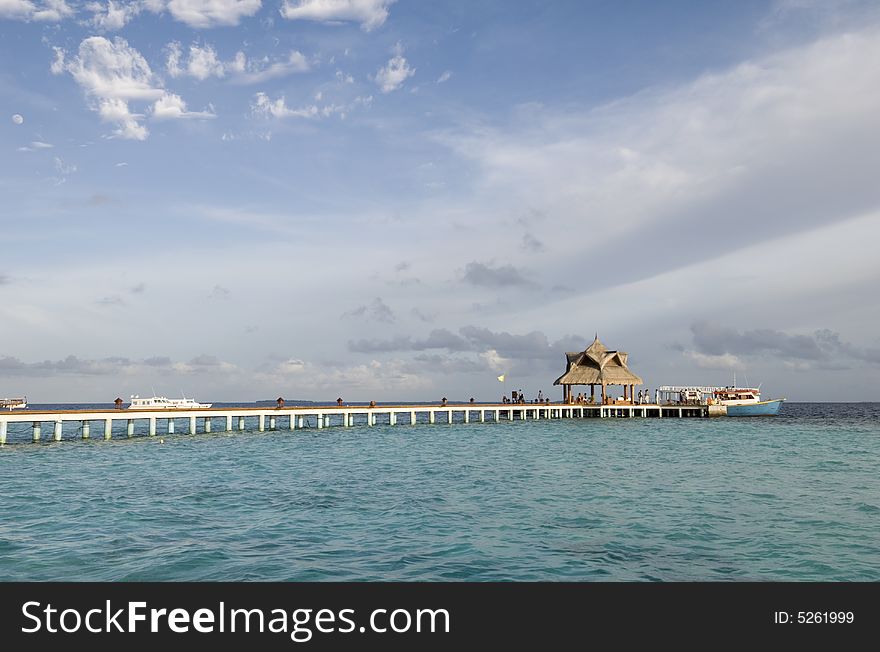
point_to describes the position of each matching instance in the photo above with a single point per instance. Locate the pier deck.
(229, 419)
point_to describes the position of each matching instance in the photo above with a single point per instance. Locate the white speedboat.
(164, 403)
(13, 403)
(746, 402)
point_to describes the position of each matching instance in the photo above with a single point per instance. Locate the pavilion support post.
(593, 392)
(625, 388)
(604, 395)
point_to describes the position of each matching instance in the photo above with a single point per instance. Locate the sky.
(389, 200)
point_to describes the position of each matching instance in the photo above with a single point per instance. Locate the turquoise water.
(796, 497)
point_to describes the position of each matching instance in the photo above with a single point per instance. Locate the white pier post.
(449, 416)
(241, 423)
(57, 434)
(392, 418)
(370, 420)
(85, 429)
(482, 416)
(262, 422)
(292, 421)
(130, 429)
(207, 424)
(431, 417)
(412, 418)
(3, 427)
(228, 423)
(170, 426)
(272, 422)
(108, 429)
(152, 427)
(37, 425)
(497, 416)
(319, 421)
(467, 416)
(192, 425)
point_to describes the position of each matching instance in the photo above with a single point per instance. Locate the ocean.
(793, 497)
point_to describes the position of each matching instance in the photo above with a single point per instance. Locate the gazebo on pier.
(597, 366)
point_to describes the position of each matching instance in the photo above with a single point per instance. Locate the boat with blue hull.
(746, 402)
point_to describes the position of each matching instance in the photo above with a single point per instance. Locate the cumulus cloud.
(172, 107)
(17, 119)
(112, 15)
(392, 75)
(49, 11)
(484, 275)
(112, 74)
(369, 13)
(444, 77)
(202, 62)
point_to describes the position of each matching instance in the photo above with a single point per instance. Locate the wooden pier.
(231, 419)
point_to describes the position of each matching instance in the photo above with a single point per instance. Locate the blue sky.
(241, 199)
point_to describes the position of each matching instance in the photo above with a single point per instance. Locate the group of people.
(642, 398)
(519, 397)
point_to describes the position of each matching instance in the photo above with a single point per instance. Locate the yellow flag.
(501, 378)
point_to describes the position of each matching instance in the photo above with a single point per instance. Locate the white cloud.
(116, 110)
(762, 145)
(391, 76)
(202, 62)
(170, 106)
(212, 13)
(255, 72)
(17, 119)
(113, 15)
(369, 13)
(112, 74)
(35, 145)
(447, 74)
(724, 361)
(49, 11)
(265, 107)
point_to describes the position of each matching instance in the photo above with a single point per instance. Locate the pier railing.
(110, 422)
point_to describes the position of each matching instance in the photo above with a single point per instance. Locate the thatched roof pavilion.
(597, 366)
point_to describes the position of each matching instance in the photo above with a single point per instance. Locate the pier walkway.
(124, 422)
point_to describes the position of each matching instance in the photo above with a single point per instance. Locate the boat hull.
(759, 409)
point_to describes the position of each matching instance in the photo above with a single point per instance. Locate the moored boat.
(746, 402)
(13, 403)
(164, 403)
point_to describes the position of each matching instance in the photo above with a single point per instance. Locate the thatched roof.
(597, 366)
